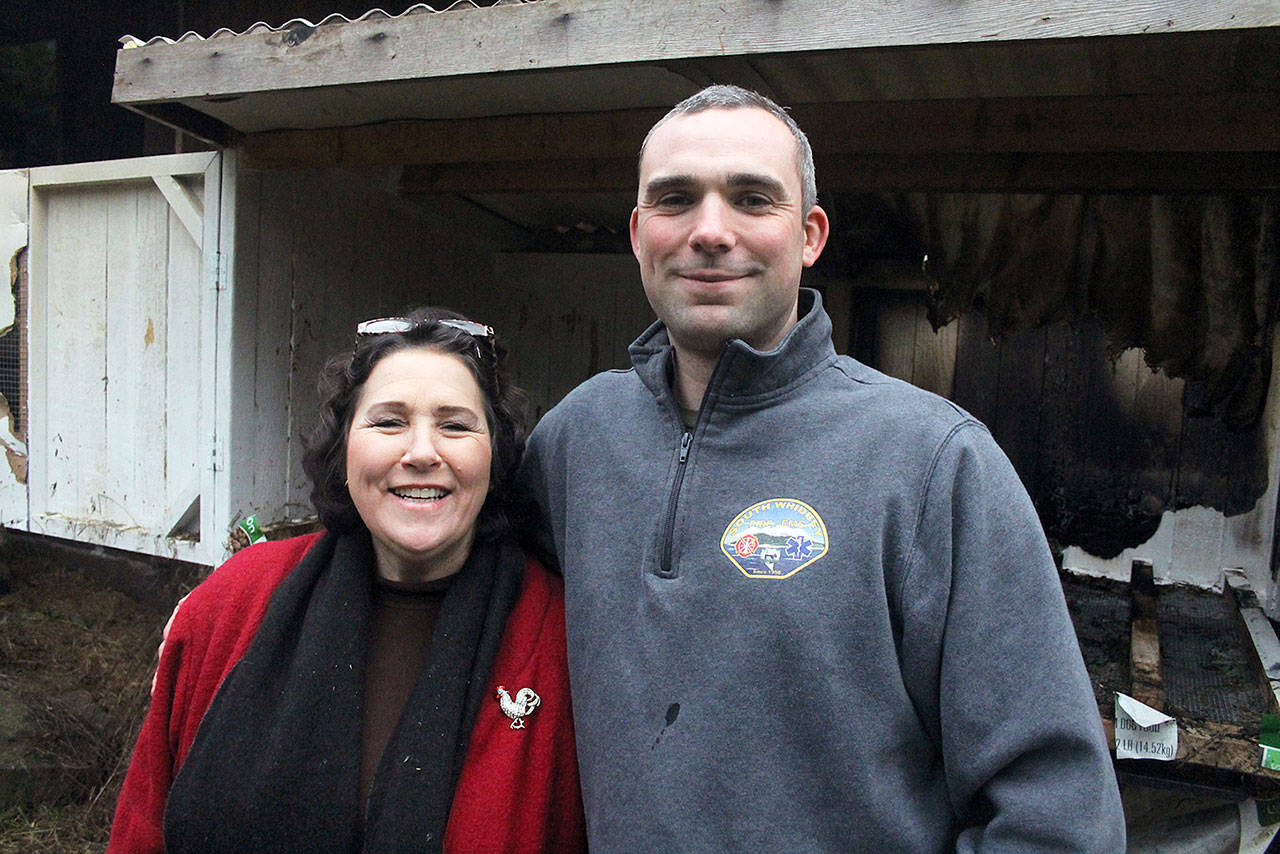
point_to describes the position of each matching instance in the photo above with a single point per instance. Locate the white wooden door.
(125, 293)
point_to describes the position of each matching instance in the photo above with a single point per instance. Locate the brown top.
(404, 617)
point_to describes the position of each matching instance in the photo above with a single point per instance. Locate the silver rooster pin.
(521, 707)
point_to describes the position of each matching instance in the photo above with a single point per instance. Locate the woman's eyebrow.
(452, 409)
(388, 403)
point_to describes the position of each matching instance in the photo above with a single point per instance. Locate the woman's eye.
(386, 423)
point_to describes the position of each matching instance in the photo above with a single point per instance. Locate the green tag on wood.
(1269, 742)
(250, 527)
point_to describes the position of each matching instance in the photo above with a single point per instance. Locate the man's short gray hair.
(727, 97)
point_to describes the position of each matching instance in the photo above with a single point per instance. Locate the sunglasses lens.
(477, 330)
(384, 325)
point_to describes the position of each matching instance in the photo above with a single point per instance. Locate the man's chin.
(702, 334)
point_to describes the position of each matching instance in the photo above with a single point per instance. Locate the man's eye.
(674, 200)
(755, 200)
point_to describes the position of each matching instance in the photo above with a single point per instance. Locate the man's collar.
(744, 371)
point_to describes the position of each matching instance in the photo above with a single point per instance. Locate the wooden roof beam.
(556, 34)
(1074, 125)
(969, 173)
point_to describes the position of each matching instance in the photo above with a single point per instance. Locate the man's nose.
(712, 226)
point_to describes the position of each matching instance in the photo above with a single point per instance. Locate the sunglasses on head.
(387, 325)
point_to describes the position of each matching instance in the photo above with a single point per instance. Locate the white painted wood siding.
(122, 338)
(319, 250)
(1195, 545)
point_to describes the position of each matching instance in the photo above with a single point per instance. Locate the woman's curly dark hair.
(324, 456)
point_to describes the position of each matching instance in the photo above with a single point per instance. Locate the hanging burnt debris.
(1119, 347)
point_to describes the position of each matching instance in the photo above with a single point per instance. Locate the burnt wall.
(1119, 347)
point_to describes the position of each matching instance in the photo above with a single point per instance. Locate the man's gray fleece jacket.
(825, 619)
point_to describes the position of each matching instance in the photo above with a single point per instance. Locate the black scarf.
(275, 764)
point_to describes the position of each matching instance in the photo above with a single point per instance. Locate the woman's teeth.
(430, 494)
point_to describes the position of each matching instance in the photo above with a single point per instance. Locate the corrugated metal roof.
(336, 18)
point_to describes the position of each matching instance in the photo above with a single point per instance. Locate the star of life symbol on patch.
(775, 538)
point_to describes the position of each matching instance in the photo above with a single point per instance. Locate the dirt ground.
(76, 659)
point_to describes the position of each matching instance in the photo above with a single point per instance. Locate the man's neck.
(694, 366)
(692, 374)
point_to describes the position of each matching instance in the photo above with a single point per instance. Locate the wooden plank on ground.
(1146, 684)
(1213, 752)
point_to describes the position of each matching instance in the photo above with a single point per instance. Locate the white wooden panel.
(128, 539)
(260, 377)
(1192, 546)
(398, 255)
(217, 319)
(186, 206)
(567, 317)
(336, 271)
(120, 362)
(316, 252)
(137, 226)
(13, 450)
(1196, 551)
(182, 378)
(74, 439)
(112, 171)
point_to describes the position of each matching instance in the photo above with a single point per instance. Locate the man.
(810, 607)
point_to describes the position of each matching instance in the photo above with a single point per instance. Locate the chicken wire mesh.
(13, 350)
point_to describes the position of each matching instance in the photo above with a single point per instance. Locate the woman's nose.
(421, 450)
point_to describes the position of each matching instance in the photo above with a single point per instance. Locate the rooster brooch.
(519, 708)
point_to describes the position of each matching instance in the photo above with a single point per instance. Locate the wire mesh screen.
(13, 348)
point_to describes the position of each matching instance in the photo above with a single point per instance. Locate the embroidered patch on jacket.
(775, 538)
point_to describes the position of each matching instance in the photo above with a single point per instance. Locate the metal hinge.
(218, 271)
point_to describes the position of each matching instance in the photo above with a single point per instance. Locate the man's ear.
(816, 230)
(635, 244)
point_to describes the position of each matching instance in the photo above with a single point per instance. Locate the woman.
(396, 683)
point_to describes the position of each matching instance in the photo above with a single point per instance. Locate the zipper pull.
(685, 441)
